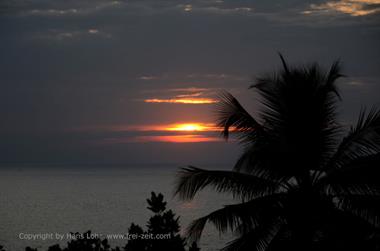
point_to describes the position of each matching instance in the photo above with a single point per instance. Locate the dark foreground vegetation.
(164, 223)
(303, 180)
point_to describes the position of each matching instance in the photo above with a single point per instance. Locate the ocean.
(105, 200)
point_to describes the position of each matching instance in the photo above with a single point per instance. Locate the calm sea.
(105, 200)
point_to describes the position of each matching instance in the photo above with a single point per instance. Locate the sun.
(188, 127)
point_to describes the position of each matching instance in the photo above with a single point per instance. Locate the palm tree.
(300, 184)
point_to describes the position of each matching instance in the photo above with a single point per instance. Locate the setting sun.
(194, 101)
(191, 127)
(190, 132)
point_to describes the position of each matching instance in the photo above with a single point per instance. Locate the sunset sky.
(98, 81)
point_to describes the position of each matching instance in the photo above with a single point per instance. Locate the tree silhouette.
(164, 223)
(135, 244)
(83, 242)
(302, 186)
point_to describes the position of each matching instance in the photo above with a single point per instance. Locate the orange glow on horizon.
(194, 101)
(191, 132)
(175, 127)
(178, 138)
(191, 127)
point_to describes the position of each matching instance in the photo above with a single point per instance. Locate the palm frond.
(246, 186)
(363, 140)
(263, 162)
(332, 76)
(360, 177)
(365, 207)
(258, 239)
(341, 229)
(284, 64)
(249, 161)
(232, 116)
(351, 189)
(242, 217)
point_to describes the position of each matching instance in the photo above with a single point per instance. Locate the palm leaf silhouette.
(301, 186)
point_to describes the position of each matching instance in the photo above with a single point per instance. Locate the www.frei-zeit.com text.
(78, 236)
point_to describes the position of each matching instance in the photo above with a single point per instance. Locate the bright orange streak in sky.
(192, 132)
(177, 127)
(178, 138)
(191, 127)
(180, 128)
(195, 101)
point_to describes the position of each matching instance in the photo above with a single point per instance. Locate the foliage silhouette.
(162, 234)
(156, 203)
(138, 244)
(301, 186)
(162, 222)
(84, 242)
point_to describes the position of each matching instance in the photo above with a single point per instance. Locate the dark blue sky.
(74, 74)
